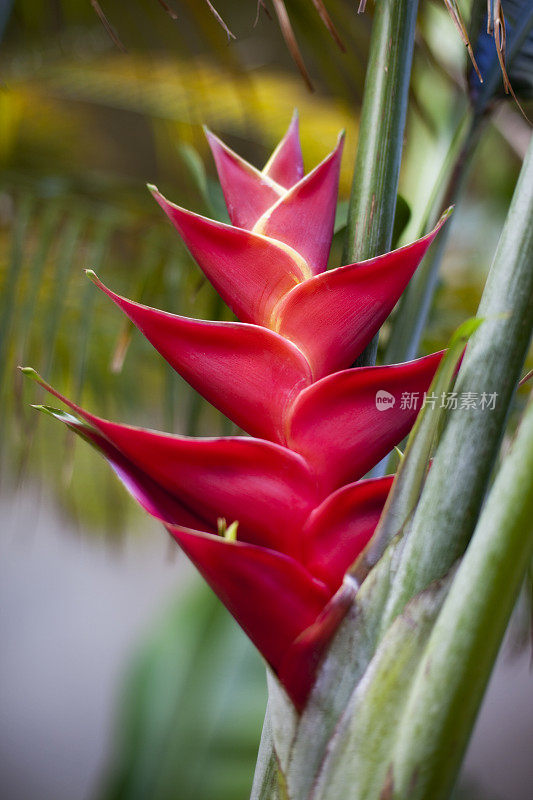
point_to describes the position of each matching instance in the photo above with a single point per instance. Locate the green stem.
(413, 311)
(463, 646)
(377, 166)
(449, 506)
(266, 782)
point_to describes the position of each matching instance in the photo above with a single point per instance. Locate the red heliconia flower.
(303, 509)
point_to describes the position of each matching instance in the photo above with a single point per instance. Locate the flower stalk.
(449, 506)
(459, 657)
(414, 306)
(381, 132)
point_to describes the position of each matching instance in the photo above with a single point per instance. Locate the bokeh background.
(122, 678)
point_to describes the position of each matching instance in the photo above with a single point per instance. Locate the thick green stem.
(381, 131)
(460, 655)
(456, 484)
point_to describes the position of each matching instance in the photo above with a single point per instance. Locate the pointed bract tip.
(56, 413)
(399, 454)
(428, 237)
(339, 147)
(293, 128)
(30, 373)
(91, 274)
(213, 140)
(465, 331)
(48, 410)
(442, 219)
(44, 409)
(152, 188)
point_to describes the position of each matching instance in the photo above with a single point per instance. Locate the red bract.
(297, 492)
(316, 327)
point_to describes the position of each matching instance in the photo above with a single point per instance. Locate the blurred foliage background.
(87, 118)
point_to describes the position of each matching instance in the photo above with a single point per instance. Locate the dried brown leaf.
(526, 378)
(328, 22)
(457, 20)
(219, 19)
(290, 41)
(500, 42)
(170, 11)
(261, 5)
(107, 25)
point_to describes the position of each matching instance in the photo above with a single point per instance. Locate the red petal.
(339, 529)
(155, 500)
(337, 426)
(250, 373)
(297, 673)
(268, 489)
(263, 486)
(250, 272)
(248, 192)
(347, 306)
(285, 165)
(304, 217)
(271, 596)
